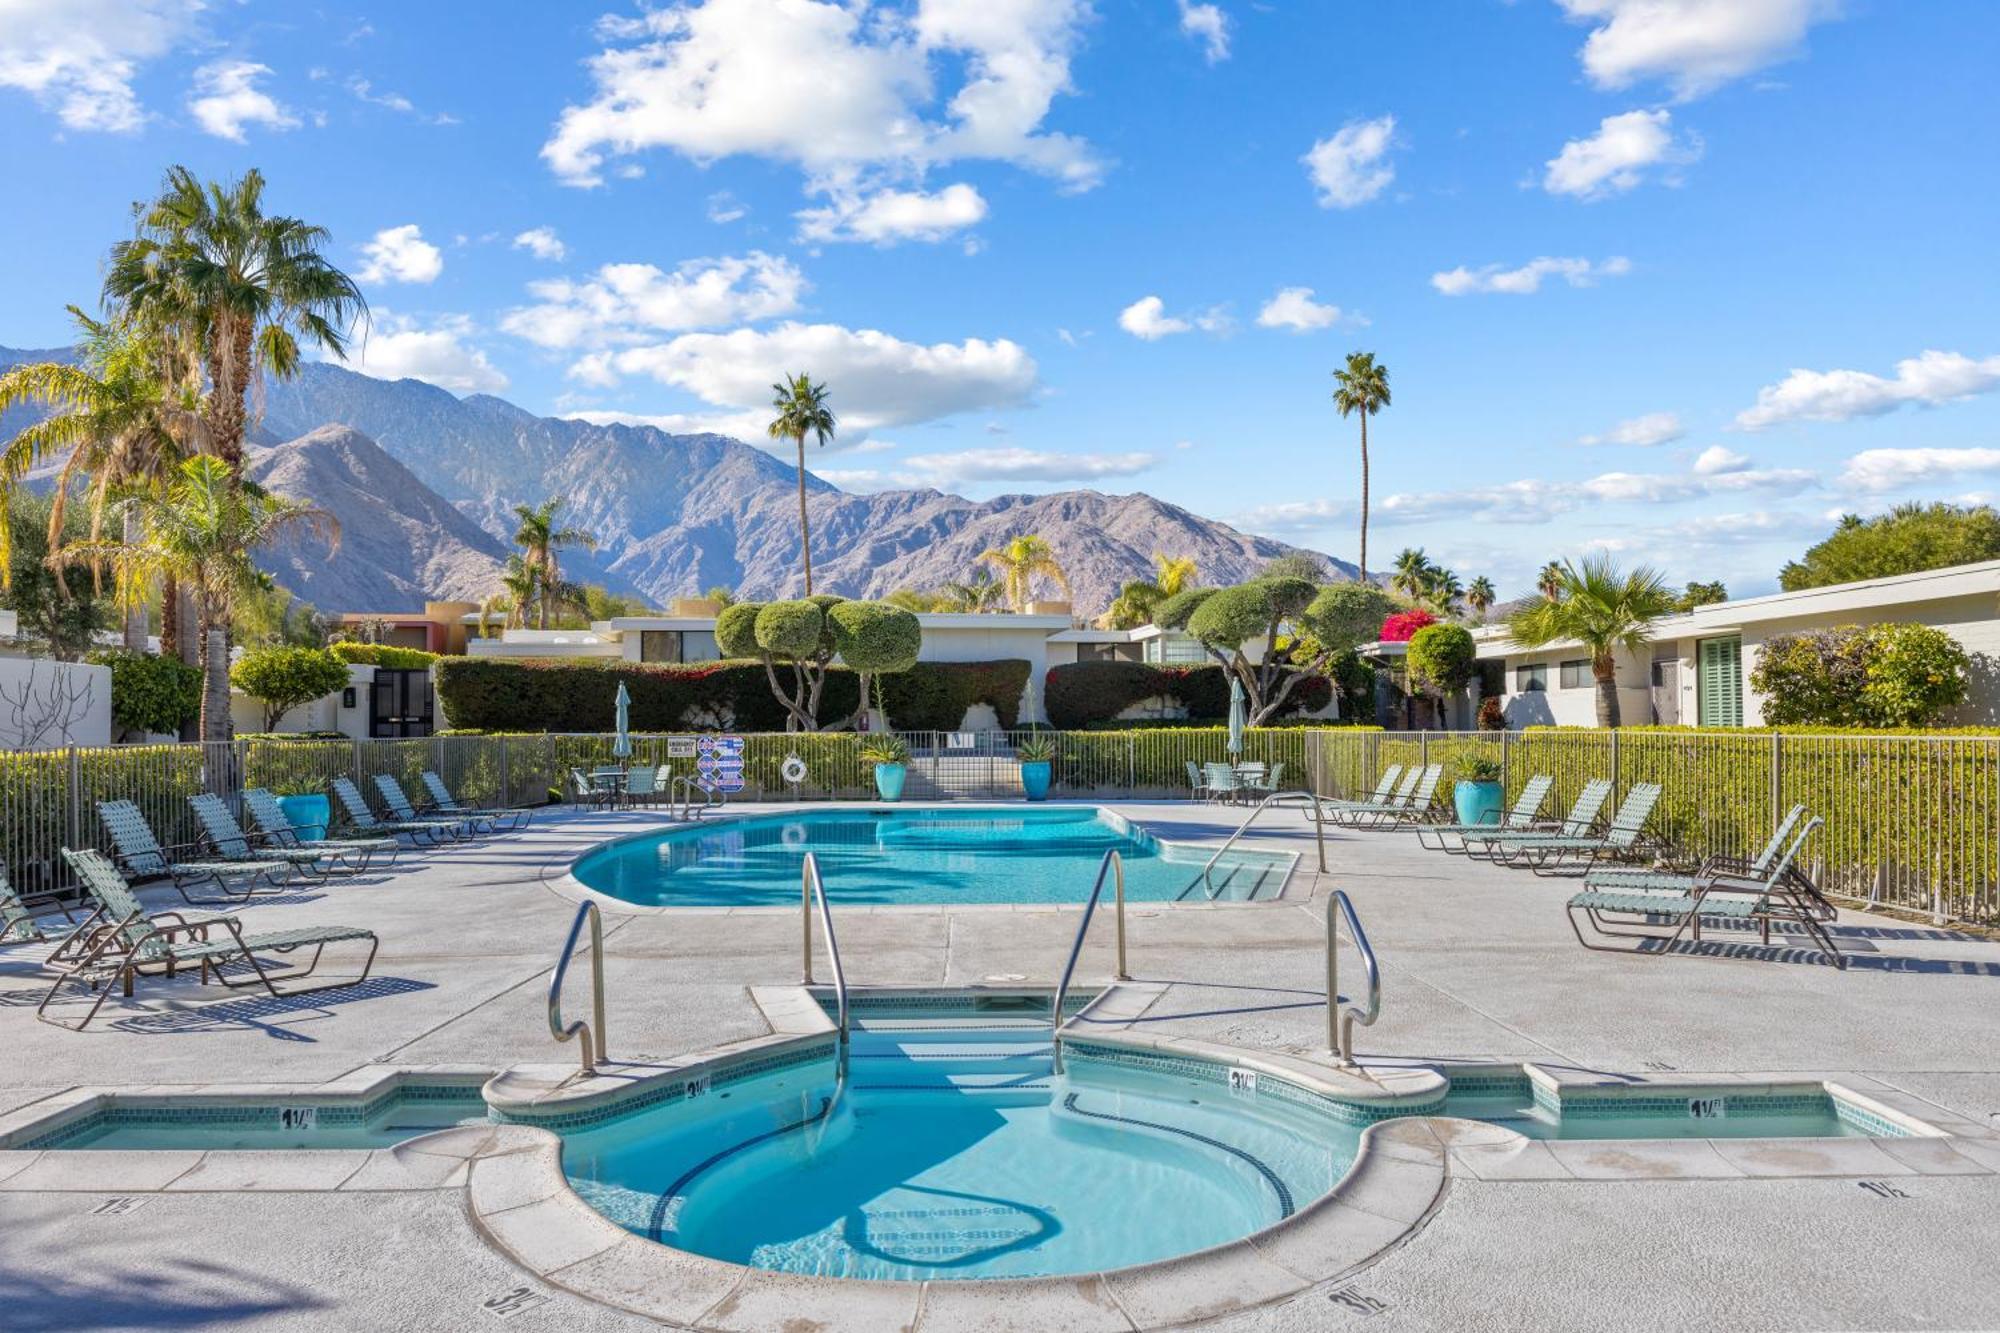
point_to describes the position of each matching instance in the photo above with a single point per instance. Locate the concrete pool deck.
(1478, 965)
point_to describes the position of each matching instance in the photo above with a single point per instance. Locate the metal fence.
(1911, 821)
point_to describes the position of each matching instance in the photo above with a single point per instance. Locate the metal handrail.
(1112, 862)
(1319, 832)
(1340, 1020)
(593, 1031)
(812, 888)
(687, 786)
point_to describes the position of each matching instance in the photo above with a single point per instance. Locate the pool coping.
(555, 873)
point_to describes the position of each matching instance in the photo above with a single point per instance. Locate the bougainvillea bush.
(1403, 626)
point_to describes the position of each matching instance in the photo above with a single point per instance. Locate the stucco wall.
(46, 705)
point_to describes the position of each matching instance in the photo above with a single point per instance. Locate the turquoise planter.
(1478, 802)
(889, 781)
(309, 815)
(1035, 779)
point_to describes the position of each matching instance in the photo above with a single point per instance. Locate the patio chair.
(1521, 818)
(397, 802)
(643, 786)
(1643, 915)
(1222, 784)
(228, 840)
(127, 943)
(366, 821)
(1198, 789)
(518, 816)
(276, 825)
(142, 856)
(1582, 815)
(583, 791)
(1548, 853)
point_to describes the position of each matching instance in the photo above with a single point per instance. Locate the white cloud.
(401, 348)
(836, 88)
(226, 99)
(1024, 465)
(888, 216)
(1619, 156)
(1644, 432)
(1351, 167)
(746, 426)
(1295, 516)
(1527, 279)
(542, 243)
(1695, 45)
(875, 379)
(725, 207)
(1893, 469)
(1926, 380)
(1294, 308)
(1716, 460)
(1208, 25)
(401, 254)
(79, 57)
(628, 302)
(1147, 318)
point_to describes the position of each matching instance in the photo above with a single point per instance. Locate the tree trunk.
(1605, 670)
(215, 729)
(170, 620)
(1364, 495)
(228, 380)
(805, 532)
(135, 614)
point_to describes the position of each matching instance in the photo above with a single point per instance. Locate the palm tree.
(541, 543)
(1549, 582)
(1172, 574)
(1133, 606)
(977, 594)
(802, 411)
(1364, 388)
(520, 588)
(238, 289)
(201, 528)
(1414, 572)
(1020, 561)
(1480, 596)
(1443, 591)
(1602, 609)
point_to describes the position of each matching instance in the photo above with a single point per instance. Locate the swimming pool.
(884, 856)
(192, 1122)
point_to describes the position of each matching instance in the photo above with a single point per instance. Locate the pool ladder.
(592, 1032)
(1340, 1020)
(1114, 865)
(1275, 798)
(812, 891)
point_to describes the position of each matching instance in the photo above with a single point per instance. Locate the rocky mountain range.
(423, 483)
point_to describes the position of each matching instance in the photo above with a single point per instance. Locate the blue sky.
(1744, 247)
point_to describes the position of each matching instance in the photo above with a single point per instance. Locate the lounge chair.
(127, 942)
(445, 803)
(401, 811)
(1625, 879)
(1520, 819)
(1410, 805)
(1774, 895)
(278, 828)
(1390, 792)
(18, 922)
(228, 840)
(1577, 823)
(1383, 791)
(142, 856)
(1549, 853)
(369, 824)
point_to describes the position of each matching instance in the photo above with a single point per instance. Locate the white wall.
(1973, 620)
(326, 714)
(46, 705)
(1577, 705)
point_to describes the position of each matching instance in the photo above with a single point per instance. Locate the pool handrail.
(593, 1031)
(687, 785)
(1319, 832)
(812, 888)
(1340, 1020)
(1115, 863)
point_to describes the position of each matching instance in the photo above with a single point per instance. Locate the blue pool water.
(1020, 854)
(390, 1119)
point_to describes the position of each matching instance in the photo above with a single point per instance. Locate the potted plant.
(890, 754)
(309, 809)
(1038, 764)
(1476, 790)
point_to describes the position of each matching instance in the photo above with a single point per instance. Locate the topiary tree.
(1351, 614)
(151, 694)
(1224, 619)
(875, 639)
(283, 678)
(1440, 660)
(1173, 612)
(796, 634)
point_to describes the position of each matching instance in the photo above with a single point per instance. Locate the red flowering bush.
(1401, 626)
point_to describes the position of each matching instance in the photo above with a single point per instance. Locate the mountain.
(419, 476)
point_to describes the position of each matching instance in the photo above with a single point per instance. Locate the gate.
(399, 704)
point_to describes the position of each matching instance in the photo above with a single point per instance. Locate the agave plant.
(885, 748)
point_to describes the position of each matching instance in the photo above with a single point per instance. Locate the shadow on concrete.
(265, 1013)
(189, 1294)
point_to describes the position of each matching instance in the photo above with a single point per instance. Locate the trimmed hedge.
(382, 655)
(1083, 695)
(566, 695)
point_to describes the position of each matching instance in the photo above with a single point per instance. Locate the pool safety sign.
(719, 760)
(681, 747)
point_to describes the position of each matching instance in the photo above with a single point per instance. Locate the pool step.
(1002, 1058)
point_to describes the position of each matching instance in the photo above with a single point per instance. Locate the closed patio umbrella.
(1235, 716)
(621, 745)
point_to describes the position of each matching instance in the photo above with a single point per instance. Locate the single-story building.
(1697, 669)
(441, 627)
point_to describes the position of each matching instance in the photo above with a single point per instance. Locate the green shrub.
(885, 748)
(283, 678)
(150, 693)
(1888, 675)
(1441, 658)
(1085, 694)
(382, 655)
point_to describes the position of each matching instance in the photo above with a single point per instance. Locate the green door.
(1719, 682)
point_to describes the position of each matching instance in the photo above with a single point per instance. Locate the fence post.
(506, 781)
(1615, 793)
(1131, 764)
(75, 825)
(1777, 774)
(1424, 748)
(1503, 762)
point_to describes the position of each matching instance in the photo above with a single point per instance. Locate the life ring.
(794, 770)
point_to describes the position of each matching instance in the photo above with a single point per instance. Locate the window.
(1719, 682)
(659, 645)
(698, 645)
(1575, 675)
(1105, 652)
(1528, 679)
(1181, 650)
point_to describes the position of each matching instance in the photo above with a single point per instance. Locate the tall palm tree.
(1549, 582)
(1020, 562)
(520, 588)
(1443, 591)
(202, 527)
(1364, 388)
(1133, 606)
(1414, 572)
(978, 594)
(1172, 574)
(239, 289)
(1602, 609)
(1480, 596)
(802, 411)
(541, 541)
